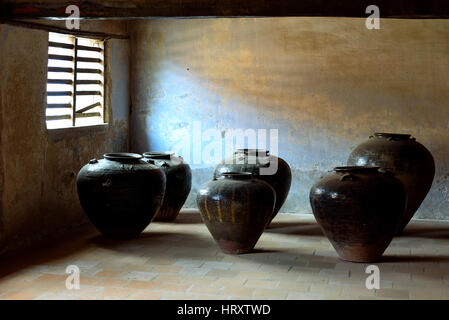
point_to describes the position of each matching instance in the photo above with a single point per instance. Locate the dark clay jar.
(256, 161)
(120, 193)
(236, 208)
(410, 161)
(179, 183)
(358, 209)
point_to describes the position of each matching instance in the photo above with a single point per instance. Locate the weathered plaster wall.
(39, 167)
(325, 83)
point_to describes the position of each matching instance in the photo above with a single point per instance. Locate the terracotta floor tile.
(109, 274)
(234, 282)
(20, 295)
(147, 285)
(261, 284)
(186, 263)
(110, 282)
(114, 293)
(145, 295)
(223, 273)
(204, 289)
(238, 291)
(269, 294)
(165, 269)
(168, 278)
(139, 275)
(294, 286)
(174, 287)
(393, 293)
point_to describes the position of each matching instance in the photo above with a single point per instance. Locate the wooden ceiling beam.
(147, 9)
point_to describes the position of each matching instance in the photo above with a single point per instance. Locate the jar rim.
(122, 156)
(402, 136)
(237, 175)
(159, 154)
(357, 169)
(253, 151)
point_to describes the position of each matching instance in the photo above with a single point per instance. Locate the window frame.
(75, 84)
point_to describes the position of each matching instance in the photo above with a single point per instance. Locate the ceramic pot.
(236, 208)
(179, 183)
(256, 161)
(359, 210)
(120, 193)
(410, 161)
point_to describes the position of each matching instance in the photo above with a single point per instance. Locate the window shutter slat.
(59, 81)
(60, 69)
(97, 104)
(59, 105)
(59, 93)
(61, 117)
(88, 115)
(83, 59)
(88, 93)
(89, 82)
(87, 70)
(60, 57)
(87, 48)
(61, 45)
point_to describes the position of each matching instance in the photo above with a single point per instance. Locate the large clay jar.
(256, 161)
(358, 209)
(411, 162)
(179, 183)
(120, 193)
(236, 208)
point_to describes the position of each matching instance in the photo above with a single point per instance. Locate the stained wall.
(38, 167)
(325, 84)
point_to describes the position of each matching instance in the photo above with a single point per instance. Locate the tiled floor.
(180, 260)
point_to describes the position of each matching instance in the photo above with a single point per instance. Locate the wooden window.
(75, 81)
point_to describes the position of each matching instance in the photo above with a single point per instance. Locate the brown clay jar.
(256, 161)
(120, 193)
(410, 161)
(179, 183)
(358, 209)
(236, 208)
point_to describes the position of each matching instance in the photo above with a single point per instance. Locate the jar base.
(232, 247)
(361, 253)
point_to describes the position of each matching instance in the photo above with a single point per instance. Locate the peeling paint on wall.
(325, 83)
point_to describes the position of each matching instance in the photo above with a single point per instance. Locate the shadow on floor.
(420, 230)
(187, 217)
(414, 259)
(88, 238)
(414, 229)
(295, 228)
(45, 251)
